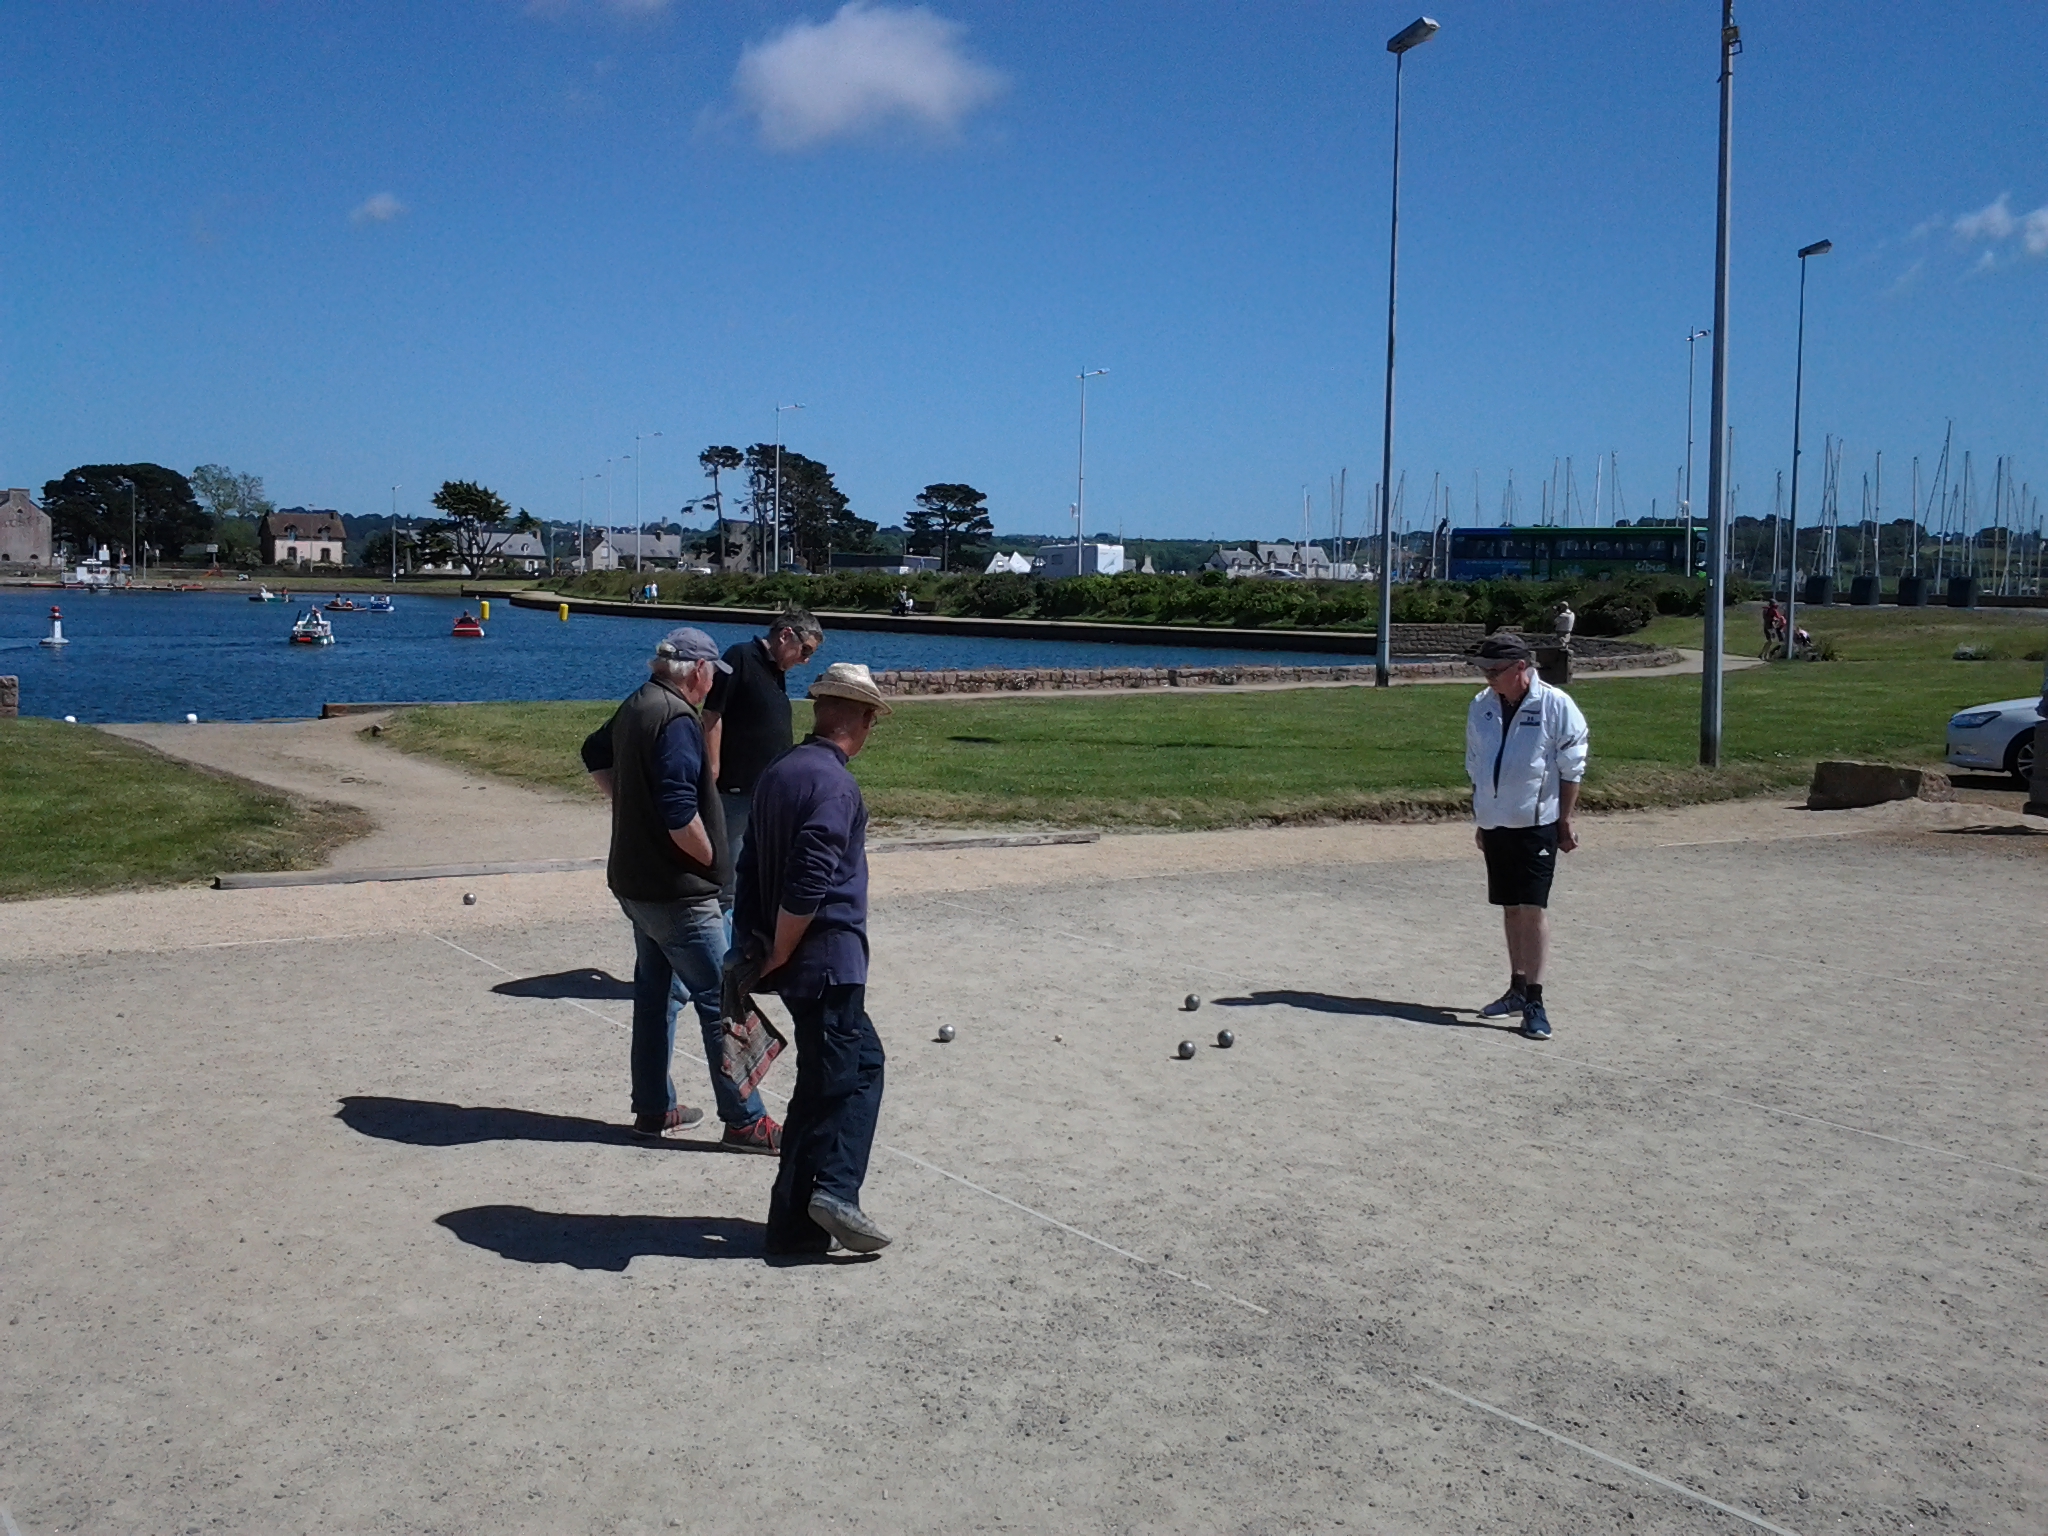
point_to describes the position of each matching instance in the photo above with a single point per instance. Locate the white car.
(1999, 737)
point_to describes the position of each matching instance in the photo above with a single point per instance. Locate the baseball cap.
(688, 644)
(1500, 649)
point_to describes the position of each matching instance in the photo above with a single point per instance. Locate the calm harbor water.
(138, 656)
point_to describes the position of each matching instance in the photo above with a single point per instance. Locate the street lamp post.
(1717, 417)
(1690, 339)
(639, 528)
(1081, 465)
(776, 535)
(394, 535)
(1419, 31)
(1818, 248)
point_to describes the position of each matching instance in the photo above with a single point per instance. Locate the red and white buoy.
(56, 634)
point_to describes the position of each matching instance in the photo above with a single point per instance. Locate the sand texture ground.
(320, 1216)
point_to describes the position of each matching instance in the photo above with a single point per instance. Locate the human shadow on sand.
(601, 1242)
(1364, 1007)
(592, 986)
(423, 1123)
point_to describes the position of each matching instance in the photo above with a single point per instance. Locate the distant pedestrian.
(802, 919)
(668, 863)
(747, 719)
(1525, 751)
(1774, 623)
(1562, 622)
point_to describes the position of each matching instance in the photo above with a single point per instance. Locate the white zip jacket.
(1515, 774)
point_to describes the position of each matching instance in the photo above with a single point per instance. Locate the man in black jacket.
(747, 719)
(668, 863)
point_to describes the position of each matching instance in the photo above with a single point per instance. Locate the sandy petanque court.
(320, 1215)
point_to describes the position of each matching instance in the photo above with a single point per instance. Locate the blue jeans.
(830, 1127)
(739, 810)
(678, 953)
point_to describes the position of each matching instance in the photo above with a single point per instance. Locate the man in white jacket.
(1525, 752)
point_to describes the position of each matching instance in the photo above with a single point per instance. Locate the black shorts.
(1519, 864)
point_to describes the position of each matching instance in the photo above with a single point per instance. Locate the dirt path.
(426, 811)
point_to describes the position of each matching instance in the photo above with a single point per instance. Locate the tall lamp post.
(1081, 465)
(1818, 248)
(1690, 371)
(777, 535)
(394, 535)
(1717, 418)
(1419, 31)
(639, 528)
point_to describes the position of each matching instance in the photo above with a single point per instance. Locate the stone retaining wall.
(1052, 679)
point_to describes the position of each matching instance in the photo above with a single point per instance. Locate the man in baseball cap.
(1525, 751)
(668, 863)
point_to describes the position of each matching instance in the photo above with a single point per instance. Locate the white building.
(1057, 560)
(301, 536)
(627, 551)
(1008, 565)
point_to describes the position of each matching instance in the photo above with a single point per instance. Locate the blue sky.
(351, 246)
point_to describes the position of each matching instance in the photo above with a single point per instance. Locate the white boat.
(265, 595)
(312, 629)
(378, 604)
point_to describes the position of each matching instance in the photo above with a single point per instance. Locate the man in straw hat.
(1525, 751)
(667, 866)
(801, 915)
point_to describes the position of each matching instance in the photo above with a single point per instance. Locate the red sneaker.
(654, 1127)
(762, 1135)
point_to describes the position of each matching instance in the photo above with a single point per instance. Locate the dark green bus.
(1543, 554)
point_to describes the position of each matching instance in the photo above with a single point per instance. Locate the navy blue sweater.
(806, 854)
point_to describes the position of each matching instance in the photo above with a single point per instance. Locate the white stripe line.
(480, 960)
(1786, 837)
(1613, 1461)
(7, 1522)
(1054, 1221)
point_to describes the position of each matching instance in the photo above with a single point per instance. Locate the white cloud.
(1994, 221)
(380, 208)
(1986, 262)
(2034, 232)
(869, 66)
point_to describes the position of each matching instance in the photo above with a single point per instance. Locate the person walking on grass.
(801, 918)
(668, 863)
(1525, 752)
(747, 721)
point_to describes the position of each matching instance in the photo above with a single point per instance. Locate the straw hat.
(849, 680)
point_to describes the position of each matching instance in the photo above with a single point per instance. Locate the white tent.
(1009, 565)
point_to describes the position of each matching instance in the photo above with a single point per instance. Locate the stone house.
(301, 536)
(24, 530)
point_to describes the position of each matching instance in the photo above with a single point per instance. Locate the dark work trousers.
(830, 1125)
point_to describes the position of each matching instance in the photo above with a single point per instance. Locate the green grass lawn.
(83, 811)
(1876, 634)
(1225, 759)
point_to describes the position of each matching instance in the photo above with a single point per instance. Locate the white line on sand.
(1613, 1461)
(1144, 1263)
(7, 1522)
(911, 1157)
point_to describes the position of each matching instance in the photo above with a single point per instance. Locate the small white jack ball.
(71, 719)
(191, 719)
(1187, 1050)
(1225, 1039)
(1191, 1002)
(946, 1033)
(469, 898)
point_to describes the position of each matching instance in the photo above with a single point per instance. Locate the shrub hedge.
(1616, 607)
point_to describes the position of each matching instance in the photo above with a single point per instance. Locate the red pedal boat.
(467, 628)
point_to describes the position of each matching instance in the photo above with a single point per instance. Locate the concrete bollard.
(10, 697)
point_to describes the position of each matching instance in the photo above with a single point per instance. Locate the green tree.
(816, 515)
(476, 520)
(226, 494)
(91, 506)
(945, 513)
(717, 460)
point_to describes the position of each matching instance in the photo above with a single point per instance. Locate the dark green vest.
(645, 863)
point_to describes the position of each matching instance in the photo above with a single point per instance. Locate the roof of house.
(303, 523)
(662, 546)
(516, 546)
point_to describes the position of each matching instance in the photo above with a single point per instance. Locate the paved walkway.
(427, 812)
